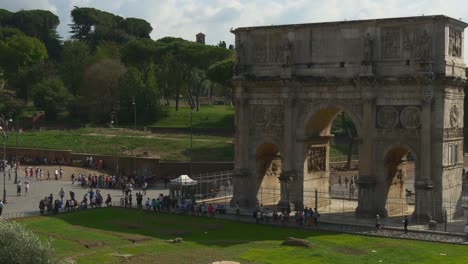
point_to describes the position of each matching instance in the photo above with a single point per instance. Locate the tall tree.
(19, 51)
(99, 93)
(75, 56)
(93, 26)
(40, 24)
(50, 95)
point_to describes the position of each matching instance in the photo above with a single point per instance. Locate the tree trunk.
(177, 97)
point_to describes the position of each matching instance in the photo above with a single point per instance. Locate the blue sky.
(185, 18)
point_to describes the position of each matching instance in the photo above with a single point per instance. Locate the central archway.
(315, 155)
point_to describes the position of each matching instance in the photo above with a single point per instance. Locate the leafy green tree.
(5, 17)
(94, 26)
(140, 53)
(221, 72)
(26, 77)
(138, 28)
(75, 56)
(222, 44)
(144, 93)
(9, 102)
(8, 32)
(99, 94)
(19, 51)
(52, 96)
(41, 24)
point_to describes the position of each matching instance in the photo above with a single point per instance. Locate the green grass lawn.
(209, 116)
(108, 141)
(171, 147)
(95, 236)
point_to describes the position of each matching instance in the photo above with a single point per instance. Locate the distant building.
(200, 38)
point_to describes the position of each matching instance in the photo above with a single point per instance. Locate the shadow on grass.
(201, 230)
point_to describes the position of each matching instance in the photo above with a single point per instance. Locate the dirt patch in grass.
(92, 244)
(351, 251)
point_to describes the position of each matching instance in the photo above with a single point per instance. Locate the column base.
(285, 205)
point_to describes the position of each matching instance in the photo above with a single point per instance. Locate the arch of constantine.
(400, 80)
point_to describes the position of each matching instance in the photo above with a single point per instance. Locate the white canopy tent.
(183, 180)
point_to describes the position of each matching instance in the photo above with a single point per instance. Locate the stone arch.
(393, 178)
(268, 162)
(312, 155)
(319, 109)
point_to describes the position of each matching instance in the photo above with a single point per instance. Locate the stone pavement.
(19, 206)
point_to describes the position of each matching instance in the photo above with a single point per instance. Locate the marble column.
(288, 148)
(423, 184)
(366, 178)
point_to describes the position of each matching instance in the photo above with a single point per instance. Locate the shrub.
(19, 245)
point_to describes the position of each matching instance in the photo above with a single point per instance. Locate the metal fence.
(340, 206)
(214, 187)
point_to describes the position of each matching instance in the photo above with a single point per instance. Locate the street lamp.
(134, 109)
(191, 140)
(114, 123)
(16, 151)
(5, 124)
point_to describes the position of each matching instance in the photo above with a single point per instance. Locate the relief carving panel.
(455, 43)
(267, 122)
(454, 115)
(390, 43)
(417, 43)
(260, 53)
(316, 159)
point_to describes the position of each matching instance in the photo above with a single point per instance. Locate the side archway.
(268, 162)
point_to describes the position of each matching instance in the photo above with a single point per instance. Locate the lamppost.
(191, 141)
(134, 110)
(16, 152)
(4, 124)
(114, 124)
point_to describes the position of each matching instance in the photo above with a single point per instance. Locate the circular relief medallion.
(454, 116)
(410, 117)
(387, 117)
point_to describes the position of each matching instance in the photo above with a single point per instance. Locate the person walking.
(61, 194)
(377, 223)
(26, 188)
(18, 188)
(405, 224)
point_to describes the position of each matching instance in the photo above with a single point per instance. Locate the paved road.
(24, 205)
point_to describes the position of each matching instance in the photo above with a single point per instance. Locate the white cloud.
(185, 18)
